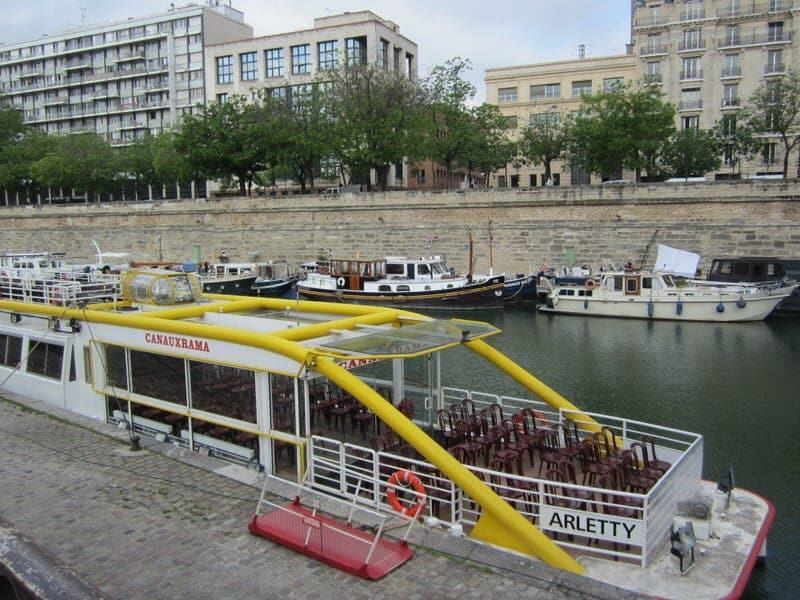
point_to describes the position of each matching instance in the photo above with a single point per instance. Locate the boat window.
(282, 398)
(87, 365)
(741, 268)
(116, 369)
(647, 283)
(72, 376)
(724, 267)
(438, 269)
(226, 391)
(403, 288)
(631, 285)
(449, 285)
(758, 271)
(581, 292)
(772, 271)
(589, 293)
(427, 287)
(668, 281)
(618, 284)
(158, 376)
(395, 269)
(45, 359)
(384, 288)
(423, 270)
(10, 350)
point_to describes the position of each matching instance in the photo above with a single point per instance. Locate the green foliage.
(544, 140)
(736, 139)
(11, 125)
(378, 116)
(774, 108)
(491, 149)
(691, 152)
(621, 128)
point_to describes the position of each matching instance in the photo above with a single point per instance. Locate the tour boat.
(352, 402)
(647, 295)
(423, 282)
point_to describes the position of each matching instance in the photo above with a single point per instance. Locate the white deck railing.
(59, 287)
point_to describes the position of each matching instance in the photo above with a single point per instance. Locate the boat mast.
(647, 249)
(491, 259)
(469, 262)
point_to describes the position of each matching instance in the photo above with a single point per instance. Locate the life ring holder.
(406, 478)
(590, 284)
(340, 282)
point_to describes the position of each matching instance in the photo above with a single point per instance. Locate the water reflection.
(736, 383)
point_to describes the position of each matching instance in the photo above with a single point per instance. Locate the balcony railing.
(747, 9)
(754, 38)
(649, 50)
(651, 21)
(730, 102)
(130, 56)
(693, 14)
(732, 72)
(690, 104)
(652, 78)
(698, 44)
(774, 68)
(691, 74)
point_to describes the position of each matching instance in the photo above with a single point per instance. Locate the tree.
(691, 152)
(774, 108)
(11, 124)
(736, 140)
(544, 140)
(232, 138)
(621, 128)
(17, 159)
(378, 118)
(491, 149)
(84, 162)
(451, 134)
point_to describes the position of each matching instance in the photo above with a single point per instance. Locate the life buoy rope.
(405, 479)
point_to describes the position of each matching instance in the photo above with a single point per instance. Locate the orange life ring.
(406, 478)
(590, 283)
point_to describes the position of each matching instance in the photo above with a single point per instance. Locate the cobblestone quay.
(150, 525)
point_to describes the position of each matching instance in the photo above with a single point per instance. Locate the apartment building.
(119, 80)
(289, 63)
(527, 92)
(708, 56)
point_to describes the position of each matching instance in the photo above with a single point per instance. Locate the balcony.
(650, 21)
(691, 75)
(732, 72)
(755, 38)
(691, 45)
(130, 57)
(748, 9)
(56, 101)
(131, 126)
(652, 79)
(690, 104)
(692, 15)
(731, 103)
(652, 50)
(78, 65)
(30, 73)
(774, 69)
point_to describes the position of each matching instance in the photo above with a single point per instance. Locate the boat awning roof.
(411, 339)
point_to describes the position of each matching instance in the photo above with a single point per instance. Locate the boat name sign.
(176, 342)
(604, 527)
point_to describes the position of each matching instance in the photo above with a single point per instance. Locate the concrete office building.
(524, 92)
(709, 56)
(119, 80)
(288, 63)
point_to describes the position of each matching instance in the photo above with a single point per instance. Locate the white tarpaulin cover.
(678, 262)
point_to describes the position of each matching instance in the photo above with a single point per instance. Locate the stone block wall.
(530, 228)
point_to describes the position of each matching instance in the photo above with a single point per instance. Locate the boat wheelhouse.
(345, 399)
(758, 269)
(230, 278)
(424, 282)
(645, 295)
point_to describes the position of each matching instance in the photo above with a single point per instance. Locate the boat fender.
(340, 282)
(405, 478)
(720, 308)
(679, 308)
(650, 309)
(586, 305)
(741, 303)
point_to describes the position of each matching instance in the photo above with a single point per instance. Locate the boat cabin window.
(226, 391)
(384, 288)
(741, 268)
(45, 359)
(116, 368)
(438, 269)
(283, 403)
(631, 285)
(395, 269)
(403, 288)
(569, 292)
(772, 270)
(618, 283)
(423, 270)
(72, 370)
(647, 283)
(724, 267)
(585, 293)
(10, 350)
(87, 365)
(158, 376)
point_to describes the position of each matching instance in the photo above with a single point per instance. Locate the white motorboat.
(646, 295)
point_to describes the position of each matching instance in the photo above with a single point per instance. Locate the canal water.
(734, 383)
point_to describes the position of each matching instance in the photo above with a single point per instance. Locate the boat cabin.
(753, 269)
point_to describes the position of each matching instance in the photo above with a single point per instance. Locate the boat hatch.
(411, 340)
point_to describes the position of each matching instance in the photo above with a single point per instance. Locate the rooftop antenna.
(581, 51)
(83, 13)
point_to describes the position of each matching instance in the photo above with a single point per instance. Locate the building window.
(501, 181)
(356, 50)
(692, 122)
(278, 92)
(273, 59)
(692, 40)
(222, 98)
(653, 43)
(690, 99)
(730, 95)
(690, 70)
(225, 69)
(768, 153)
(301, 59)
(533, 180)
(248, 63)
(774, 61)
(547, 90)
(505, 95)
(614, 83)
(326, 52)
(733, 66)
(383, 58)
(775, 31)
(581, 88)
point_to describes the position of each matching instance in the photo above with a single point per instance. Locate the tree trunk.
(242, 190)
(547, 171)
(785, 158)
(448, 172)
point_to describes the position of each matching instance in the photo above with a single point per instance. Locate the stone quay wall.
(601, 224)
